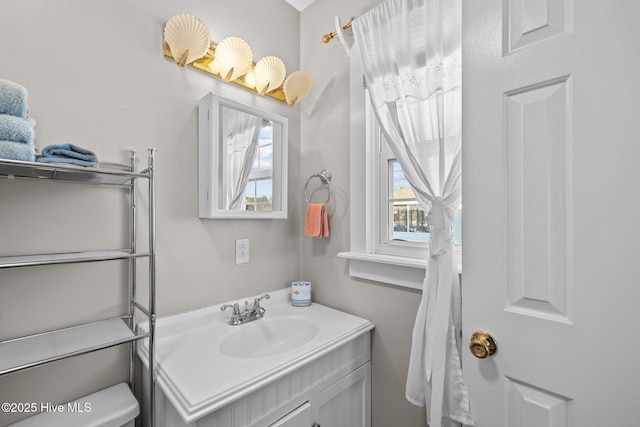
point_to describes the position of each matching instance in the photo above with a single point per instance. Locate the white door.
(551, 188)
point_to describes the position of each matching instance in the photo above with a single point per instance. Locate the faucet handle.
(265, 296)
(236, 307)
(236, 317)
(256, 303)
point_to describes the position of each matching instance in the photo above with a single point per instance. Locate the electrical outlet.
(242, 251)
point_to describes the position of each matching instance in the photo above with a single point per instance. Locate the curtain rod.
(329, 36)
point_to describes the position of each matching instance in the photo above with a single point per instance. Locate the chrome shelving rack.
(38, 349)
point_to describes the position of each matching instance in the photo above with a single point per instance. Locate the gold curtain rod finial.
(329, 36)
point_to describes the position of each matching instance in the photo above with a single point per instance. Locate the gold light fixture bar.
(203, 65)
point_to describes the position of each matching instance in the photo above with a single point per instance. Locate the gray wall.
(97, 78)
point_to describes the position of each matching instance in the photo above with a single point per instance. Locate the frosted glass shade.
(297, 86)
(233, 58)
(188, 38)
(269, 74)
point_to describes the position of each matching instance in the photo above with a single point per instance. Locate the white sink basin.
(203, 363)
(268, 336)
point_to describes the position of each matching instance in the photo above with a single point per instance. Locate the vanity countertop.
(204, 364)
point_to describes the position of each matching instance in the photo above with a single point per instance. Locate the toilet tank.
(113, 406)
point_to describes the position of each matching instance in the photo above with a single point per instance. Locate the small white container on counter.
(300, 294)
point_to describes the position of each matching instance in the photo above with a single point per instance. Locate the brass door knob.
(482, 344)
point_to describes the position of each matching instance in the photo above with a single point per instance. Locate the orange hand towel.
(317, 221)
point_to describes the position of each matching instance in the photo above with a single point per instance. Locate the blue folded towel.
(16, 129)
(71, 151)
(17, 151)
(68, 154)
(67, 161)
(13, 99)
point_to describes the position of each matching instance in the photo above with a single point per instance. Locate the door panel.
(347, 403)
(528, 406)
(536, 148)
(527, 22)
(551, 198)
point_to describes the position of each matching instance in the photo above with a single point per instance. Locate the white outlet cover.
(242, 251)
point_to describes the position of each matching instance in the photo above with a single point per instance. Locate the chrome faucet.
(239, 317)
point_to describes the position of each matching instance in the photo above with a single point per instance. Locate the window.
(389, 231)
(402, 226)
(259, 188)
(407, 220)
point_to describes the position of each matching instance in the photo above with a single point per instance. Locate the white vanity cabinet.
(324, 380)
(347, 403)
(334, 390)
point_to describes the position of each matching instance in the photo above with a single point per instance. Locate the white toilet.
(112, 407)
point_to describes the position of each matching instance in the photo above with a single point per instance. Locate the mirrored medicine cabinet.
(242, 160)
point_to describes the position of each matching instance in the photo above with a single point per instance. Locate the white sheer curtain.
(241, 131)
(411, 56)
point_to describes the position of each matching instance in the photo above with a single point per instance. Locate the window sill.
(394, 270)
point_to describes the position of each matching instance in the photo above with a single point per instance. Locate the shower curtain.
(411, 55)
(241, 132)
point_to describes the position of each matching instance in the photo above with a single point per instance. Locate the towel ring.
(325, 177)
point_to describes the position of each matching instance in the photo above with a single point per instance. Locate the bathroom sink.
(268, 336)
(204, 364)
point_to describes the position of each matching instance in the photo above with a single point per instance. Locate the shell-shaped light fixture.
(250, 80)
(297, 86)
(269, 74)
(188, 38)
(233, 58)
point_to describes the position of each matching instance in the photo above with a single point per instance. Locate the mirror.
(242, 159)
